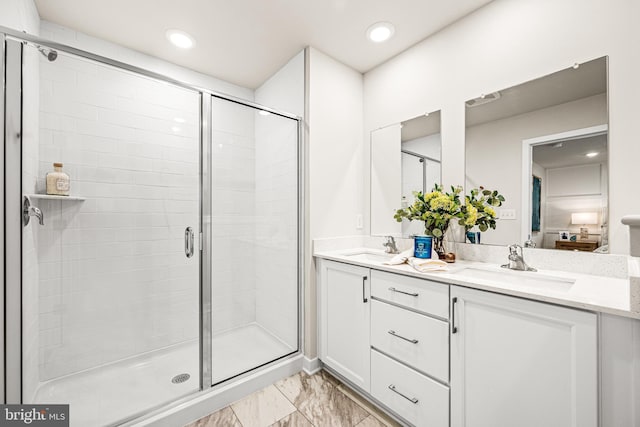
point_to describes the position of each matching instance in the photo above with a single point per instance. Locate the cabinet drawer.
(415, 339)
(419, 294)
(416, 398)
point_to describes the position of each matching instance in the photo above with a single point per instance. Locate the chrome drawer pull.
(393, 389)
(401, 337)
(403, 292)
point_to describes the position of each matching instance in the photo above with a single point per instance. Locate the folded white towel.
(427, 265)
(421, 264)
(401, 258)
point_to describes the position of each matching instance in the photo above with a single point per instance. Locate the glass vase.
(438, 246)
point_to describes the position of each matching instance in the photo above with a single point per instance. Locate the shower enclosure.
(173, 267)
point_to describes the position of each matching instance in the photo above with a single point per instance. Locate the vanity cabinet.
(516, 362)
(410, 347)
(344, 305)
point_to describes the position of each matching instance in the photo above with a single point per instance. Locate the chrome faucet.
(516, 260)
(28, 211)
(390, 245)
(529, 243)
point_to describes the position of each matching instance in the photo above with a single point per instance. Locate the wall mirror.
(544, 145)
(405, 157)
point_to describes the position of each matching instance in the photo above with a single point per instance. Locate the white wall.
(494, 153)
(573, 189)
(335, 162)
(21, 15)
(506, 43)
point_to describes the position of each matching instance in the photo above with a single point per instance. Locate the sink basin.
(370, 256)
(512, 277)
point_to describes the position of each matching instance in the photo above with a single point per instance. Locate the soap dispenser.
(57, 181)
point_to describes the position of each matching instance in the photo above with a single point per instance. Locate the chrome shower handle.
(28, 211)
(188, 242)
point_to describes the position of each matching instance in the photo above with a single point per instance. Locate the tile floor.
(302, 400)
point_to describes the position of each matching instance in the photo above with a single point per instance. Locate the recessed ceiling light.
(179, 120)
(592, 154)
(175, 129)
(380, 31)
(180, 39)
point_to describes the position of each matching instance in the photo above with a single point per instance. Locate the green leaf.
(436, 232)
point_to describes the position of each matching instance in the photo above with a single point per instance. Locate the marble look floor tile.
(262, 408)
(328, 377)
(224, 417)
(377, 413)
(293, 420)
(320, 401)
(370, 421)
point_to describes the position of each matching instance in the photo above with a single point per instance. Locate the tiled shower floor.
(301, 400)
(110, 393)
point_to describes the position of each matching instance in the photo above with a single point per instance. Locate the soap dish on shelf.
(52, 197)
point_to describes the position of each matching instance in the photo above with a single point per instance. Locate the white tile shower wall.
(114, 280)
(233, 215)
(276, 233)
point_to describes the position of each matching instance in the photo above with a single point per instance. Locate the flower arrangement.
(478, 209)
(438, 208)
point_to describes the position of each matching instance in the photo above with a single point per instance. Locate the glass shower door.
(255, 238)
(111, 276)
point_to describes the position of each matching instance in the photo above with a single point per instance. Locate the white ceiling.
(572, 152)
(420, 126)
(246, 41)
(570, 84)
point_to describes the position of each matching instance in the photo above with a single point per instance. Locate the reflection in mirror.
(405, 157)
(543, 145)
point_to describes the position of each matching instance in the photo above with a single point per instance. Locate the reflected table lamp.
(583, 219)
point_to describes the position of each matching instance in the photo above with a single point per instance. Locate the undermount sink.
(514, 277)
(369, 256)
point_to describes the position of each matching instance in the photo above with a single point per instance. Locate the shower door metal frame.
(11, 369)
(2, 223)
(300, 232)
(13, 221)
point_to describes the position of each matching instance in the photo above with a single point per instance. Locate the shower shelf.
(50, 197)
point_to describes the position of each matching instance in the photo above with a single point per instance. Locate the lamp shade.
(584, 218)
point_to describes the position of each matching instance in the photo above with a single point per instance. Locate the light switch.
(507, 214)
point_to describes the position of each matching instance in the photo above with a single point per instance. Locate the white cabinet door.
(521, 363)
(344, 300)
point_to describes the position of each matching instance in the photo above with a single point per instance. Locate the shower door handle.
(188, 242)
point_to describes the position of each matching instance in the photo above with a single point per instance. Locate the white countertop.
(588, 292)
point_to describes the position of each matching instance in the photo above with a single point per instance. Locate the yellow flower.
(472, 217)
(431, 195)
(490, 211)
(440, 202)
